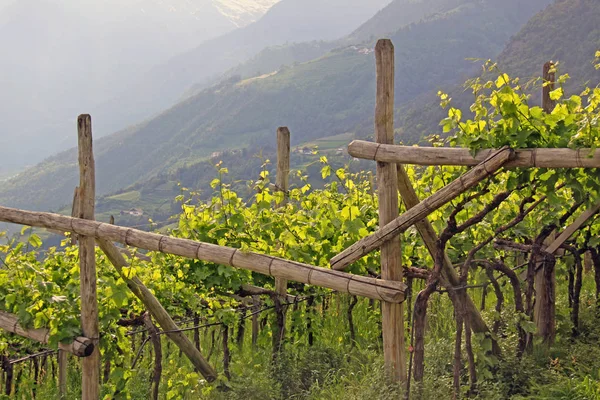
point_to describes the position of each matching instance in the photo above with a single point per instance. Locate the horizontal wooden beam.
(422, 210)
(81, 346)
(539, 158)
(389, 291)
(125, 252)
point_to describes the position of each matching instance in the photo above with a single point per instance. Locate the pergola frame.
(392, 180)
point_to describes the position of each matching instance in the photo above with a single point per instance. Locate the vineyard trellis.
(393, 182)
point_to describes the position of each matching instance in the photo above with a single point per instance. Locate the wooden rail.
(423, 209)
(81, 346)
(449, 277)
(377, 289)
(524, 158)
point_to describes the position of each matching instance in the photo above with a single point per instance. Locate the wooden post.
(549, 77)
(90, 377)
(282, 184)
(63, 362)
(387, 187)
(378, 289)
(75, 213)
(545, 308)
(255, 326)
(155, 338)
(544, 312)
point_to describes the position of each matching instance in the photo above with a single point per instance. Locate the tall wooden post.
(282, 182)
(544, 312)
(387, 187)
(63, 363)
(90, 378)
(549, 77)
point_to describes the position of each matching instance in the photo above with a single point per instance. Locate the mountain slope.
(320, 98)
(286, 21)
(399, 13)
(394, 16)
(566, 31)
(61, 58)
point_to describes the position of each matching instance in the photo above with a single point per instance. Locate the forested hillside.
(287, 21)
(209, 257)
(566, 32)
(488, 311)
(398, 13)
(323, 97)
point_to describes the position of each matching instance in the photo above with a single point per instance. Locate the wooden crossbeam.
(378, 289)
(427, 156)
(426, 207)
(555, 245)
(158, 311)
(449, 277)
(574, 227)
(81, 346)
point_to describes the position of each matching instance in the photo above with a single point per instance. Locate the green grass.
(131, 196)
(333, 369)
(330, 142)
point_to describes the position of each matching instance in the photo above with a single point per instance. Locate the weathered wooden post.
(63, 362)
(549, 79)
(387, 187)
(90, 378)
(155, 338)
(282, 183)
(544, 312)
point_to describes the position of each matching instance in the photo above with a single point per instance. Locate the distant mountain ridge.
(243, 12)
(399, 13)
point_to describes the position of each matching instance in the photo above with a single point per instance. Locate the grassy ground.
(334, 368)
